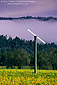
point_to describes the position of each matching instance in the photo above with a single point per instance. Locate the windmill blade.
(36, 35)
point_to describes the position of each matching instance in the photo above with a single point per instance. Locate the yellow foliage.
(27, 77)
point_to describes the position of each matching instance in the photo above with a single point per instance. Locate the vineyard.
(27, 77)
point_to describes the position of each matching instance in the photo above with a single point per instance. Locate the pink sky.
(36, 8)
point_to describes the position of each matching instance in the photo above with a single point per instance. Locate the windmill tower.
(35, 49)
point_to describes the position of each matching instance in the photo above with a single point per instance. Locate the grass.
(22, 67)
(27, 77)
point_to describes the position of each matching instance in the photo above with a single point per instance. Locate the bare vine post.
(35, 49)
(35, 54)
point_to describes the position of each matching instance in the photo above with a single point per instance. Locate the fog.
(46, 30)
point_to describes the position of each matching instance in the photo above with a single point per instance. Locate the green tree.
(3, 55)
(43, 60)
(10, 60)
(53, 57)
(21, 57)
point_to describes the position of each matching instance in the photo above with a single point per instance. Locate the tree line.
(18, 52)
(30, 17)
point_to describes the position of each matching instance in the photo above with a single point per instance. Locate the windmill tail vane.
(36, 35)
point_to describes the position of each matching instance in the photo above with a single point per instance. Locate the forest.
(19, 52)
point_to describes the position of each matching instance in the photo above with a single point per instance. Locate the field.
(27, 77)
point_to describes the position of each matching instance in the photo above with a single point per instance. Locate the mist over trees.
(30, 17)
(18, 52)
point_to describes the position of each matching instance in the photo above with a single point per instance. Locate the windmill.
(35, 48)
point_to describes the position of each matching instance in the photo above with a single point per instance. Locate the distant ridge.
(30, 17)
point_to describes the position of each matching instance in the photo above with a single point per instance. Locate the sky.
(16, 8)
